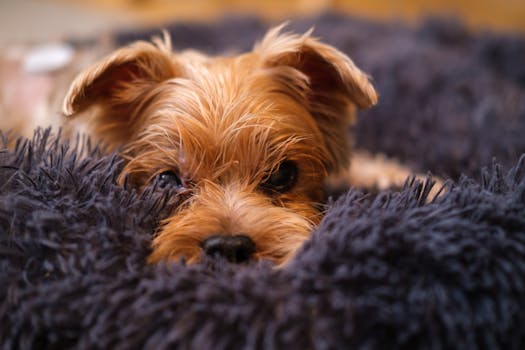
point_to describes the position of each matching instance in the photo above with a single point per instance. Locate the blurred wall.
(39, 20)
(504, 14)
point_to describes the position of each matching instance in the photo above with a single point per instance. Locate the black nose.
(235, 249)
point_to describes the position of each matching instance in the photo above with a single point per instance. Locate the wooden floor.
(496, 14)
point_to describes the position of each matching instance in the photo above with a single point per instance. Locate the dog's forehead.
(241, 140)
(231, 114)
(237, 131)
(234, 96)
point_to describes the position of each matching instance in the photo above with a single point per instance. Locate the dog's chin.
(277, 233)
(174, 246)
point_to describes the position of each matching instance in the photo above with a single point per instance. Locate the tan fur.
(377, 171)
(224, 124)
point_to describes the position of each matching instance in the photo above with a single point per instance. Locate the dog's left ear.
(331, 82)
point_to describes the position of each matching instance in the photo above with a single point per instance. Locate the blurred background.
(37, 20)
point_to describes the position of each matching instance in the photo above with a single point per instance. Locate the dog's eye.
(282, 179)
(169, 179)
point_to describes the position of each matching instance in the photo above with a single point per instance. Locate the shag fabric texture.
(389, 271)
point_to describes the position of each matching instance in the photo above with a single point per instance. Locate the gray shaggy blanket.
(383, 271)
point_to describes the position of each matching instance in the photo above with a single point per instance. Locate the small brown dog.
(248, 140)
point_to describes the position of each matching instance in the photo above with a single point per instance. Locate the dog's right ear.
(118, 85)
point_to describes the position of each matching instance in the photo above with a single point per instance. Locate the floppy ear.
(332, 83)
(118, 85)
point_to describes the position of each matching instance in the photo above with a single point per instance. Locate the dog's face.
(246, 141)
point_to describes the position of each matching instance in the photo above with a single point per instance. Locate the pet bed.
(384, 271)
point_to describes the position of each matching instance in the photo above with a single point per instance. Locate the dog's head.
(247, 140)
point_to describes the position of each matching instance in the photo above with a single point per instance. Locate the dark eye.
(282, 179)
(169, 179)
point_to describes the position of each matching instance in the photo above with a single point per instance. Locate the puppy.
(246, 141)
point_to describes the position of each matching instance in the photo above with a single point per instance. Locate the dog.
(247, 141)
